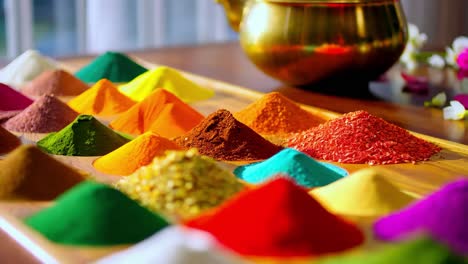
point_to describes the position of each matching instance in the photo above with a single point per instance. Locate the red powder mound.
(46, 114)
(57, 82)
(8, 141)
(278, 219)
(360, 137)
(12, 100)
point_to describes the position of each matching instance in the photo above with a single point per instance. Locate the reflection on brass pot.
(304, 41)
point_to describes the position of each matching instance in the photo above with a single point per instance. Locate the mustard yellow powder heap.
(181, 184)
(365, 193)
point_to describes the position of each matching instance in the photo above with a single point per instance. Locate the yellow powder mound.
(162, 113)
(135, 154)
(364, 193)
(103, 99)
(274, 114)
(169, 79)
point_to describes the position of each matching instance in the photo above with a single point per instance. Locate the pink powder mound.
(12, 100)
(46, 114)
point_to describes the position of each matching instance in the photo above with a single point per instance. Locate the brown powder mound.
(57, 82)
(8, 141)
(222, 137)
(46, 114)
(274, 114)
(29, 173)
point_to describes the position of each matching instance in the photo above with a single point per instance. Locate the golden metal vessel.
(301, 42)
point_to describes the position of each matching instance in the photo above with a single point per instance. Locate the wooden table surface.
(226, 62)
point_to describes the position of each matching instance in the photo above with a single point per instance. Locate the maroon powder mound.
(57, 82)
(11, 100)
(222, 137)
(8, 141)
(47, 114)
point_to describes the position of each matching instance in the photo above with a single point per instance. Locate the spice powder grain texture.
(359, 138)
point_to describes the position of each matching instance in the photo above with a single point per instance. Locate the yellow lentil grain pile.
(181, 184)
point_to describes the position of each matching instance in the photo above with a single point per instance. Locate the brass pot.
(301, 42)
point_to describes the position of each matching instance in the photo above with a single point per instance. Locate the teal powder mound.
(95, 214)
(306, 171)
(113, 66)
(85, 136)
(419, 251)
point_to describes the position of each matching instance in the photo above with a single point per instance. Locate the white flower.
(415, 42)
(456, 111)
(436, 61)
(458, 46)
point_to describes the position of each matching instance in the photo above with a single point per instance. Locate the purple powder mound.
(12, 99)
(442, 214)
(46, 114)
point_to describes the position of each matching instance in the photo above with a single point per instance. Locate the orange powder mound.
(137, 153)
(56, 82)
(274, 114)
(8, 141)
(162, 113)
(102, 99)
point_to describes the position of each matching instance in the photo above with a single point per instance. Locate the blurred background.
(70, 27)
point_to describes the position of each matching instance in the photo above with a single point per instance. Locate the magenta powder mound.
(12, 100)
(443, 214)
(46, 114)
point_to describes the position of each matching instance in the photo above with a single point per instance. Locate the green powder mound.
(86, 136)
(419, 251)
(113, 66)
(95, 214)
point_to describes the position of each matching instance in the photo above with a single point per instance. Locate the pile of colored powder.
(12, 100)
(222, 137)
(418, 251)
(359, 137)
(114, 66)
(103, 99)
(442, 214)
(162, 113)
(7, 115)
(276, 114)
(29, 173)
(175, 245)
(304, 170)
(278, 219)
(180, 184)
(86, 136)
(364, 193)
(168, 79)
(46, 114)
(95, 214)
(25, 68)
(56, 82)
(135, 154)
(8, 141)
